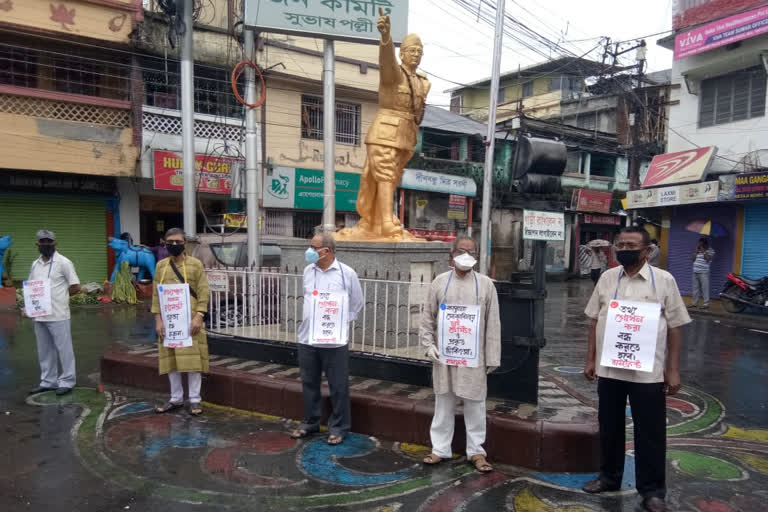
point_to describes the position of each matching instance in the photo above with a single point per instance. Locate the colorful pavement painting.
(238, 460)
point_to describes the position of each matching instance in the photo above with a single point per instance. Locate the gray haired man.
(53, 331)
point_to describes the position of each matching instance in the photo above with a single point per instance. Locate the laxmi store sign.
(672, 196)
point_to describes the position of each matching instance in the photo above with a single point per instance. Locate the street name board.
(302, 189)
(549, 226)
(350, 20)
(416, 179)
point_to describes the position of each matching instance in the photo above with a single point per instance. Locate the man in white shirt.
(53, 332)
(326, 274)
(636, 281)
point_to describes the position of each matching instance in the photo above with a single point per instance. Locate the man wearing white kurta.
(462, 286)
(53, 332)
(326, 274)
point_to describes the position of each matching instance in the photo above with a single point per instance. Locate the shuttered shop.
(79, 224)
(754, 263)
(682, 245)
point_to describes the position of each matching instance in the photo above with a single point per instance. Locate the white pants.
(194, 380)
(441, 431)
(54, 344)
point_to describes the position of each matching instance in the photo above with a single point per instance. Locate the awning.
(681, 167)
(416, 179)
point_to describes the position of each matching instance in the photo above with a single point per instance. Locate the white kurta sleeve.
(428, 326)
(492, 329)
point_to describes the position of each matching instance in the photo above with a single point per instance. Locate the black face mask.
(46, 250)
(175, 250)
(628, 258)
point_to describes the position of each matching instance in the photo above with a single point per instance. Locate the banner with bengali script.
(213, 174)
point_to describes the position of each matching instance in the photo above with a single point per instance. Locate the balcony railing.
(64, 108)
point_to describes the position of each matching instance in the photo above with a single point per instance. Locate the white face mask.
(464, 262)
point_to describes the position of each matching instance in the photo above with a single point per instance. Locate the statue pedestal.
(7, 297)
(383, 260)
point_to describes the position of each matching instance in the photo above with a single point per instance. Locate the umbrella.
(707, 227)
(599, 243)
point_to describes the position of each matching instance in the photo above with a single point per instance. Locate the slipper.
(334, 440)
(481, 464)
(432, 459)
(168, 407)
(195, 409)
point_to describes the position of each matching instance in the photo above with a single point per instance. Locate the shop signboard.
(457, 207)
(699, 192)
(751, 186)
(611, 220)
(647, 198)
(722, 32)
(350, 20)
(548, 226)
(585, 200)
(669, 196)
(681, 167)
(416, 179)
(302, 189)
(213, 174)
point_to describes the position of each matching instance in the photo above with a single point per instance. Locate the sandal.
(195, 409)
(299, 433)
(168, 407)
(334, 440)
(432, 459)
(481, 464)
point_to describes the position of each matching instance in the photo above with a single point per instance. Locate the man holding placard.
(179, 302)
(461, 329)
(332, 299)
(52, 279)
(634, 352)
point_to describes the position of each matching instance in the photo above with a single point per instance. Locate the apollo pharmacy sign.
(351, 20)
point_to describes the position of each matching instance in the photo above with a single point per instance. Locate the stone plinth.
(370, 259)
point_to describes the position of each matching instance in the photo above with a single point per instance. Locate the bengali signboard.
(611, 220)
(721, 32)
(549, 226)
(585, 200)
(288, 187)
(457, 207)
(416, 179)
(213, 174)
(351, 20)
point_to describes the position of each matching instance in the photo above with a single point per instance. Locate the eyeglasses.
(174, 242)
(458, 252)
(623, 246)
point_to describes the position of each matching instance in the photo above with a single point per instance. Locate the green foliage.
(123, 291)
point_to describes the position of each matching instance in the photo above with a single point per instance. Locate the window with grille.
(733, 97)
(528, 89)
(213, 89)
(18, 66)
(347, 120)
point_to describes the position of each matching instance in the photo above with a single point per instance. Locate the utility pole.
(490, 141)
(188, 120)
(329, 137)
(252, 159)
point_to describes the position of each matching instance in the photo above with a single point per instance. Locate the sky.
(458, 48)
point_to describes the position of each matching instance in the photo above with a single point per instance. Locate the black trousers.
(649, 416)
(313, 361)
(594, 274)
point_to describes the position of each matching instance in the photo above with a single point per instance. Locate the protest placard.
(458, 326)
(37, 298)
(174, 309)
(631, 331)
(329, 318)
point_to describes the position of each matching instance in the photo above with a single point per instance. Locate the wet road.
(97, 452)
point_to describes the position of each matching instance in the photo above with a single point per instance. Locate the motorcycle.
(740, 292)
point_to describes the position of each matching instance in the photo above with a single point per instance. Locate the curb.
(537, 445)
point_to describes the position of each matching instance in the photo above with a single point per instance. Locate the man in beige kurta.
(462, 286)
(191, 360)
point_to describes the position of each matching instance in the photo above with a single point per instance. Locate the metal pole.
(329, 137)
(252, 160)
(490, 141)
(188, 121)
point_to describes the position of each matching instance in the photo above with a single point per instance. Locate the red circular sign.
(614, 304)
(314, 292)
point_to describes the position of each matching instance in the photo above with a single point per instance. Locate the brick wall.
(683, 17)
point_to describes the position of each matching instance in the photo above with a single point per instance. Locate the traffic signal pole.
(490, 142)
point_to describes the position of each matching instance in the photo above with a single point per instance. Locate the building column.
(464, 149)
(587, 167)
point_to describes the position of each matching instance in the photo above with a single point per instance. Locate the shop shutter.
(679, 256)
(753, 261)
(79, 224)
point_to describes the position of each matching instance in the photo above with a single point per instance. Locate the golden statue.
(391, 139)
